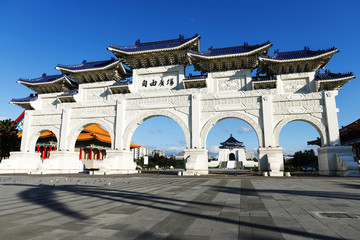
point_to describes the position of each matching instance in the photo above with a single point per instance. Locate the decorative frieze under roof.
(49, 84)
(331, 81)
(231, 143)
(87, 72)
(197, 81)
(159, 53)
(120, 87)
(295, 61)
(263, 82)
(230, 58)
(67, 96)
(24, 102)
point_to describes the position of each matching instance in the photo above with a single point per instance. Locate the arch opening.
(161, 142)
(298, 153)
(232, 144)
(46, 143)
(92, 143)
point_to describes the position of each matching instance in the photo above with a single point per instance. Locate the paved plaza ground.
(150, 206)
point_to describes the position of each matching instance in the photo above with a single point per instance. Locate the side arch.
(210, 123)
(131, 127)
(35, 134)
(79, 125)
(311, 120)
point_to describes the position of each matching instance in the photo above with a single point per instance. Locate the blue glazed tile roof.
(30, 98)
(69, 93)
(327, 75)
(88, 65)
(230, 50)
(190, 77)
(154, 45)
(263, 78)
(46, 79)
(306, 53)
(121, 83)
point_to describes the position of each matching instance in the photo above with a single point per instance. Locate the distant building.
(158, 152)
(179, 156)
(140, 152)
(233, 154)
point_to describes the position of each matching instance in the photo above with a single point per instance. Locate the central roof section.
(159, 53)
(230, 58)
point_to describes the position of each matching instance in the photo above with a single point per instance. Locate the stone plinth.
(118, 162)
(196, 162)
(61, 162)
(271, 160)
(337, 160)
(20, 162)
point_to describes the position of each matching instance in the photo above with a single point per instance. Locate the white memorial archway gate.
(288, 89)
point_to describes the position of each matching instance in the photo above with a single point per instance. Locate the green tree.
(8, 137)
(164, 162)
(301, 159)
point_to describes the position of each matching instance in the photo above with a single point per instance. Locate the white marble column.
(270, 156)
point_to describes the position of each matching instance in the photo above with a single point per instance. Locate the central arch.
(129, 131)
(210, 123)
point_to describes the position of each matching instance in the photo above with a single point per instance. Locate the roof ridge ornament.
(210, 48)
(44, 75)
(306, 48)
(246, 44)
(181, 37)
(84, 61)
(137, 42)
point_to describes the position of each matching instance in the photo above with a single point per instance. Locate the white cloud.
(213, 149)
(154, 131)
(182, 142)
(168, 150)
(243, 129)
(3, 118)
(173, 150)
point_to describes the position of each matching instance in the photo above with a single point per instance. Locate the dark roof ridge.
(139, 44)
(328, 74)
(308, 50)
(43, 76)
(181, 39)
(85, 62)
(30, 98)
(244, 46)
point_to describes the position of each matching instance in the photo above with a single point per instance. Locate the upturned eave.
(230, 55)
(179, 47)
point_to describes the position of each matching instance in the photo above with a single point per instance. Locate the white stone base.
(118, 162)
(20, 162)
(196, 162)
(91, 164)
(271, 160)
(276, 174)
(61, 162)
(337, 160)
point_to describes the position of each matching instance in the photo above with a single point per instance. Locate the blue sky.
(35, 36)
